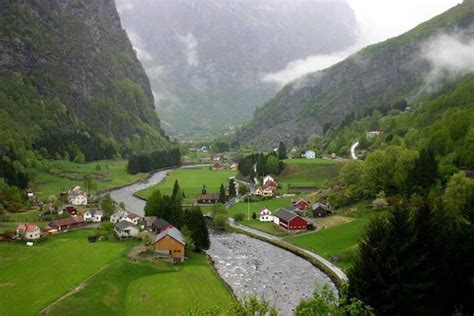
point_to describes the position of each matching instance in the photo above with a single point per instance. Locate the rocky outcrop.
(77, 51)
(379, 74)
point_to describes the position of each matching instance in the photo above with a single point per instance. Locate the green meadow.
(62, 175)
(191, 181)
(106, 281)
(307, 173)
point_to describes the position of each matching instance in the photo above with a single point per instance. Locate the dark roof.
(124, 225)
(286, 214)
(173, 233)
(324, 207)
(68, 221)
(149, 220)
(209, 197)
(160, 223)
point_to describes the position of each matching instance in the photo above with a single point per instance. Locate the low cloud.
(300, 67)
(450, 57)
(190, 49)
(143, 55)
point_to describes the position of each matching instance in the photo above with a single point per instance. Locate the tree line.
(147, 162)
(265, 164)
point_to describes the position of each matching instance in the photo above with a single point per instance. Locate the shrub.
(239, 217)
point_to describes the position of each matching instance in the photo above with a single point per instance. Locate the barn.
(290, 221)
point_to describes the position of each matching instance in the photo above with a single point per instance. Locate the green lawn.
(65, 174)
(175, 293)
(272, 205)
(33, 277)
(191, 181)
(338, 243)
(307, 173)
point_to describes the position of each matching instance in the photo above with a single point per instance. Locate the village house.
(160, 225)
(66, 223)
(205, 198)
(148, 222)
(119, 215)
(76, 196)
(30, 194)
(265, 215)
(69, 208)
(218, 166)
(126, 229)
(373, 134)
(271, 185)
(93, 216)
(28, 232)
(321, 210)
(268, 178)
(301, 204)
(309, 154)
(266, 192)
(234, 167)
(132, 218)
(171, 242)
(290, 221)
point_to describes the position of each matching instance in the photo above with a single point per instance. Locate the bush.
(239, 217)
(220, 221)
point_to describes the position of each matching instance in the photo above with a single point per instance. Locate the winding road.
(353, 147)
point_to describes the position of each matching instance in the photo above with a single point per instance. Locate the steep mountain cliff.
(206, 59)
(400, 68)
(71, 81)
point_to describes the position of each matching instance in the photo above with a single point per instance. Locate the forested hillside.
(381, 76)
(71, 86)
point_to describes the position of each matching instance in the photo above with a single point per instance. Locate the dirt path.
(47, 309)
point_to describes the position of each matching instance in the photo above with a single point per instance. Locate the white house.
(119, 215)
(373, 134)
(77, 196)
(132, 218)
(93, 216)
(125, 229)
(266, 215)
(309, 154)
(28, 231)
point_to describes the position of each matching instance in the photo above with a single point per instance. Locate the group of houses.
(292, 218)
(268, 188)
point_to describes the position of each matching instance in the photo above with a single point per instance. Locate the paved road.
(340, 274)
(353, 147)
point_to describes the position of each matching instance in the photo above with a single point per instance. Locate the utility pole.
(248, 207)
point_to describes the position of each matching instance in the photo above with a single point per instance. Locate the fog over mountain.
(211, 63)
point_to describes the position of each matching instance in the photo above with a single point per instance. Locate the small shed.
(321, 210)
(171, 242)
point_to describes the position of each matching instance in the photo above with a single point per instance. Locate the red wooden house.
(290, 221)
(270, 184)
(217, 166)
(302, 204)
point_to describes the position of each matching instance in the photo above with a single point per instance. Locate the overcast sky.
(378, 20)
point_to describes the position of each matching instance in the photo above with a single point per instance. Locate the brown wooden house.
(321, 210)
(171, 242)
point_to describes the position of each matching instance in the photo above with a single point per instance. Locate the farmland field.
(191, 181)
(65, 174)
(307, 173)
(49, 269)
(112, 284)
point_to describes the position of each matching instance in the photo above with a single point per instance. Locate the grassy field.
(338, 243)
(272, 205)
(175, 293)
(33, 277)
(307, 173)
(191, 181)
(65, 174)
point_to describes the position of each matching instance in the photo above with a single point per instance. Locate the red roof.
(68, 221)
(209, 197)
(271, 184)
(132, 216)
(30, 228)
(218, 166)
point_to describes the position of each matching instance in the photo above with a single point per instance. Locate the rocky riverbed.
(253, 267)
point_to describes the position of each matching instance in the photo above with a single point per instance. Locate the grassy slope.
(176, 293)
(191, 181)
(339, 241)
(33, 277)
(307, 172)
(65, 174)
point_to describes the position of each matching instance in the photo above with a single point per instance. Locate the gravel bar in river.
(253, 267)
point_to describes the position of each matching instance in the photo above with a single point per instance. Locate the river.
(249, 266)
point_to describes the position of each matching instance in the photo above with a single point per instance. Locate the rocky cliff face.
(77, 51)
(206, 59)
(379, 74)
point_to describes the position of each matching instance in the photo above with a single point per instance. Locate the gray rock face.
(381, 73)
(77, 51)
(206, 59)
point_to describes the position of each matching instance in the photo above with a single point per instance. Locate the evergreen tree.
(254, 216)
(425, 172)
(222, 196)
(154, 204)
(282, 152)
(107, 204)
(232, 192)
(175, 189)
(197, 224)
